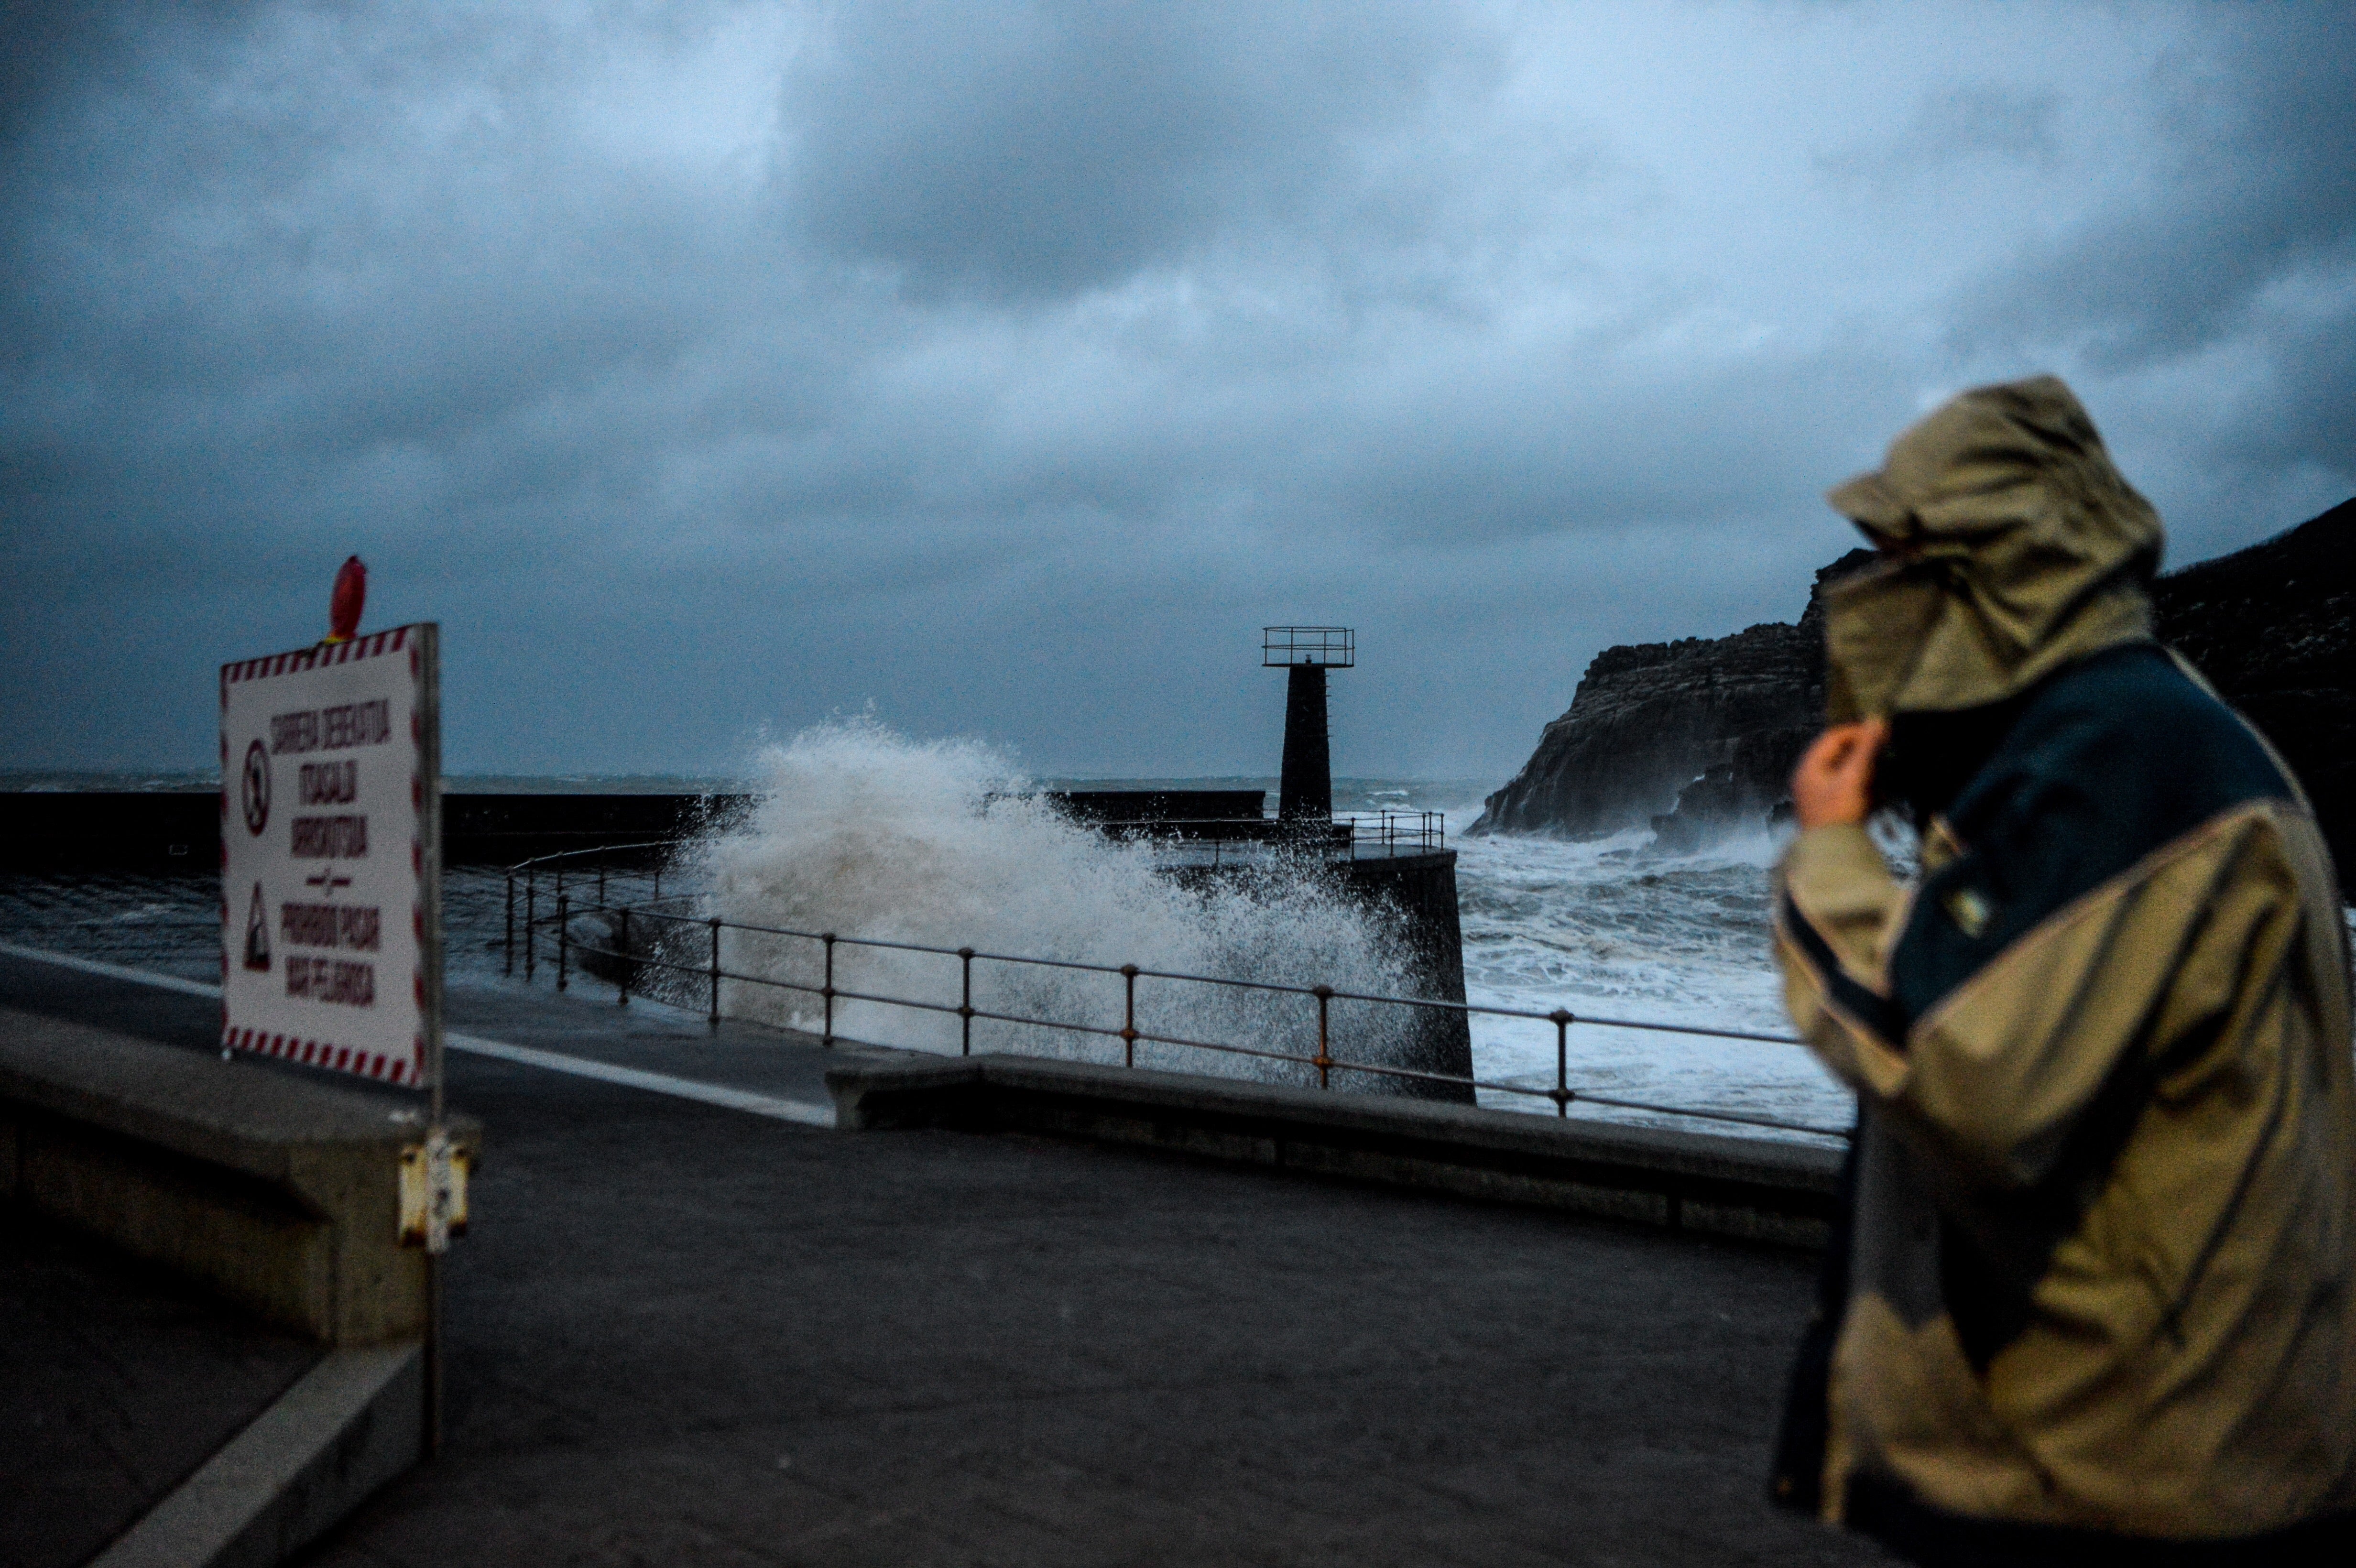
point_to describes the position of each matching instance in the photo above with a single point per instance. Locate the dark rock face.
(1696, 737)
(2274, 629)
(1720, 720)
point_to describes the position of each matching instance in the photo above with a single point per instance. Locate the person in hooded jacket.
(2091, 1301)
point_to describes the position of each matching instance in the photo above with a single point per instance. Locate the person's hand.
(1833, 783)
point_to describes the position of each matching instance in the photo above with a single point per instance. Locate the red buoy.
(344, 606)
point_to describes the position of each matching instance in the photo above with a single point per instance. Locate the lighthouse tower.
(1306, 653)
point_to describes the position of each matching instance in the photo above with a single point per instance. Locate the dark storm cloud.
(2263, 189)
(2220, 299)
(1038, 147)
(46, 50)
(1950, 126)
(315, 274)
(2258, 194)
(707, 367)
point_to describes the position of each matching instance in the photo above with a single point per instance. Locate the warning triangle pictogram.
(257, 933)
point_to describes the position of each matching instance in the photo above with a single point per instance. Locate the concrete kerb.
(1780, 1193)
(352, 1424)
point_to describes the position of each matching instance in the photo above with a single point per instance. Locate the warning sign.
(331, 862)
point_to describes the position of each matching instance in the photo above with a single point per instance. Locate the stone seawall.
(179, 830)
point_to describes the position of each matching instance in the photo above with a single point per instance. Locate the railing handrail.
(538, 860)
(1562, 1095)
(1438, 1003)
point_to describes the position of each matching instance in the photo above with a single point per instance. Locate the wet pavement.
(116, 1382)
(681, 1333)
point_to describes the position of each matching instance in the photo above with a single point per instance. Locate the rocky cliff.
(2274, 629)
(1693, 736)
(1720, 720)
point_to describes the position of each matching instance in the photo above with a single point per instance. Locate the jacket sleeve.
(1837, 908)
(1993, 1077)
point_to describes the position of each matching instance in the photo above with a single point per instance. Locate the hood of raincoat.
(2012, 546)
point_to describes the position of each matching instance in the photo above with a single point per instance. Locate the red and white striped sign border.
(323, 1053)
(315, 1052)
(318, 656)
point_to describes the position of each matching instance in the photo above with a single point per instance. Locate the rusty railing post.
(1324, 995)
(622, 962)
(965, 1003)
(715, 972)
(508, 964)
(564, 941)
(1561, 1094)
(601, 884)
(1129, 1015)
(531, 922)
(826, 1039)
(657, 884)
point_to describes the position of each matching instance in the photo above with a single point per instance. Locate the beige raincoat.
(2097, 1279)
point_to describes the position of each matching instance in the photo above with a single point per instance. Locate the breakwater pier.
(692, 1323)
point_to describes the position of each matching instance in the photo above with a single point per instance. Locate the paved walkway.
(682, 1334)
(116, 1382)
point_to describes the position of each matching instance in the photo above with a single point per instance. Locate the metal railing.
(1349, 835)
(1336, 647)
(1397, 832)
(682, 950)
(555, 867)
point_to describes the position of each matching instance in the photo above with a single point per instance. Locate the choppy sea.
(868, 830)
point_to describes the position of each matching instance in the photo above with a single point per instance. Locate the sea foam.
(1614, 928)
(862, 831)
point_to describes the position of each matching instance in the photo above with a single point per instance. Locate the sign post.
(331, 888)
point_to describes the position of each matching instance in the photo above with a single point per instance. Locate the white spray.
(865, 832)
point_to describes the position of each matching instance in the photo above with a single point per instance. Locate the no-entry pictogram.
(253, 788)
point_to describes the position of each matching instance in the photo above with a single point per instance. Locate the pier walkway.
(116, 1382)
(682, 1333)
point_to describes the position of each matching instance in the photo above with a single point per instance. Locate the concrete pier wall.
(179, 830)
(1780, 1193)
(277, 1194)
(1189, 813)
(1422, 889)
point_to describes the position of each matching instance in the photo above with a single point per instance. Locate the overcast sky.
(707, 370)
